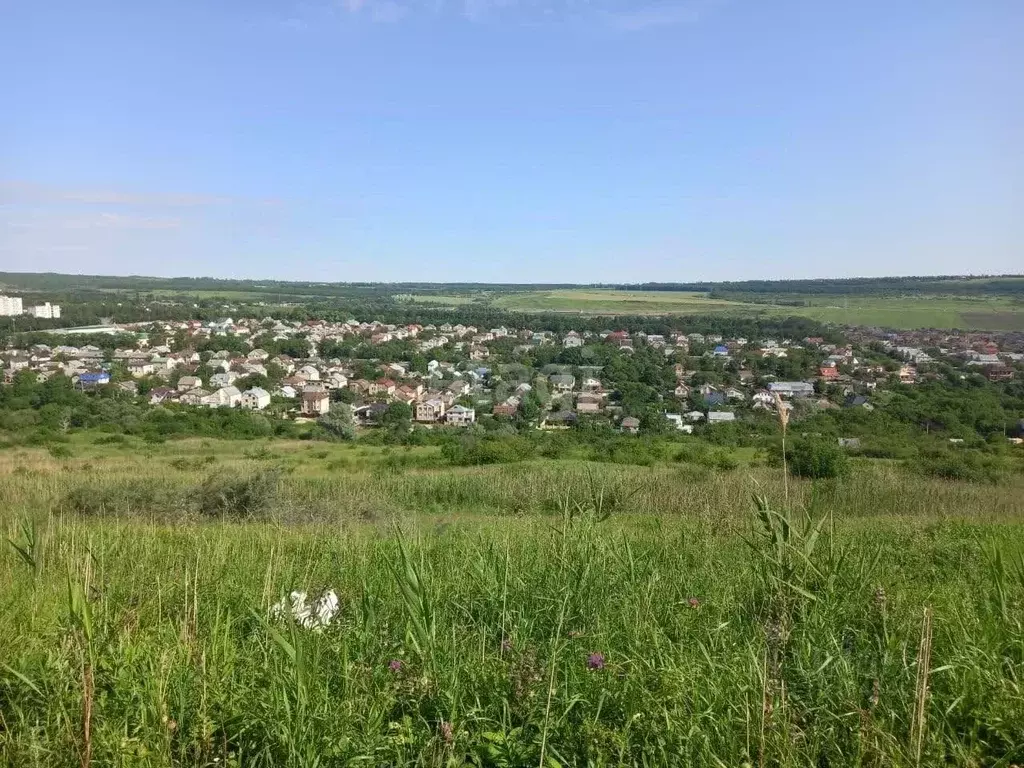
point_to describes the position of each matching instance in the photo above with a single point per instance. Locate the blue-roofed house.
(714, 398)
(93, 379)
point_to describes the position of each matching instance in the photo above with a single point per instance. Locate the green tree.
(338, 423)
(398, 417)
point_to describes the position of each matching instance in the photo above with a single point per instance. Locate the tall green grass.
(532, 615)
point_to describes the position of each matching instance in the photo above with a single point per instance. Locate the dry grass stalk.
(924, 659)
(783, 414)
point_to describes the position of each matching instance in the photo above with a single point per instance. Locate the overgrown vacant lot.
(546, 613)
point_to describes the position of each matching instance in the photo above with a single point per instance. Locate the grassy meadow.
(968, 313)
(549, 613)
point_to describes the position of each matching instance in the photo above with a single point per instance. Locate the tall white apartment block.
(10, 305)
(46, 310)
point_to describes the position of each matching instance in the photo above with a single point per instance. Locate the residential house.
(315, 403)
(141, 366)
(255, 399)
(590, 384)
(507, 408)
(572, 340)
(630, 425)
(336, 380)
(998, 373)
(185, 383)
(682, 391)
(460, 416)
(406, 394)
(558, 420)
(158, 395)
(720, 417)
(588, 403)
(360, 386)
(828, 372)
(288, 391)
(309, 373)
(257, 368)
(194, 396)
(562, 382)
(458, 388)
(791, 388)
(93, 379)
(285, 362)
(225, 379)
(678, 421)
(225, 397)
(429, 411)
(371, 413)
(713, 398)
(382, 387)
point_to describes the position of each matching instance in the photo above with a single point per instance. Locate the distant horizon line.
(536, 284)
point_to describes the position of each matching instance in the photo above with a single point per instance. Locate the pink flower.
(693, 602)
(595, 660)
(395, 665)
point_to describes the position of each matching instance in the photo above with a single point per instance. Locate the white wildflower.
(311, 615)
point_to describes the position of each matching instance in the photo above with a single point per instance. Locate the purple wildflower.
(595, 661)
(693, 602)
(395, 665)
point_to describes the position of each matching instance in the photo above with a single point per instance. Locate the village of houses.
(452, 393)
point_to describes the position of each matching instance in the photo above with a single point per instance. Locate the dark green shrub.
(970, 466)
(817, 459)
(239, 497)
(123, 499)
(469, 451)
(110, 440)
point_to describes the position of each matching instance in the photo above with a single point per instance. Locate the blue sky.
(512, 140)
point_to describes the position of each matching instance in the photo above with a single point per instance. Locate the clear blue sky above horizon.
(512, 140)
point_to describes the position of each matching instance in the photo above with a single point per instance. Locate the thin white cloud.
(26, 192)
(45, 220)
(654, 16)
(616, 14)
(388, 12)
